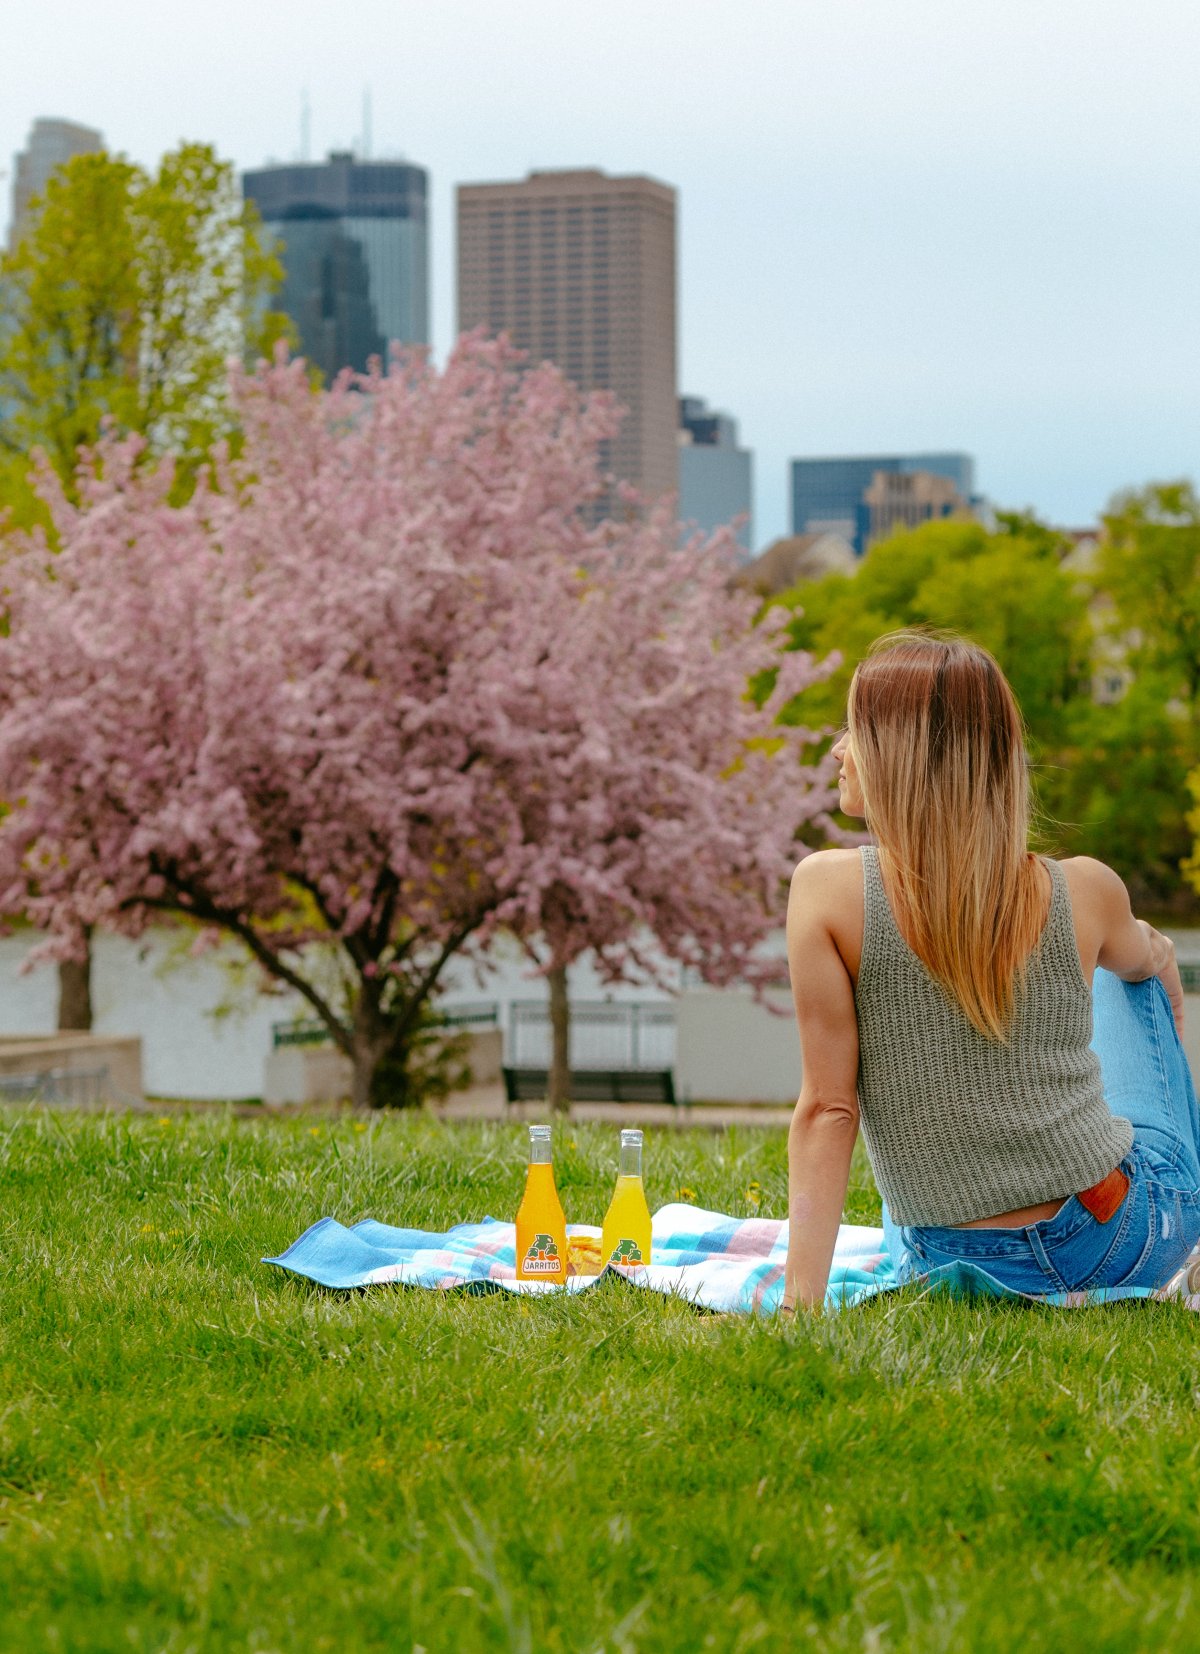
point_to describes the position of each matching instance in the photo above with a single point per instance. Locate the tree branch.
(417, 998)
(200, 906)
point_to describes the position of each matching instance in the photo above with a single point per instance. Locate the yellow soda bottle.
(626, 1235)
(541, 1226)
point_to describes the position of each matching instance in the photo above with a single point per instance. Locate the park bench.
(594, 1085)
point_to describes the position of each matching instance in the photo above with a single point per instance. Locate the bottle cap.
(631, 1135)
(540, 1134)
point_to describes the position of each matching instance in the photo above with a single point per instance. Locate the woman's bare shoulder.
(828, 863)
(827, 873)
(1089, 877)
(1099, 906)
(827, 890)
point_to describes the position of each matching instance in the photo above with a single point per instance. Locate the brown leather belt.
(1103, 1199)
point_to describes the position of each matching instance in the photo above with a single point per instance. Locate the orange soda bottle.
(626, 1235)
(541, 1226)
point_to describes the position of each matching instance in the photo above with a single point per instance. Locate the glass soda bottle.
(541, 1226)
(626, 1236)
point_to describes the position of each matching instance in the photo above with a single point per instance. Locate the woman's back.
(960, 1125)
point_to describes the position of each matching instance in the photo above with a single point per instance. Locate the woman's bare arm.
(825, 1122)
(1129, 947)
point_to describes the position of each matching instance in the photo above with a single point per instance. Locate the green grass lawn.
(200, 1453)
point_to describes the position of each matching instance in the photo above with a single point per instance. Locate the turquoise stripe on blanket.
(716, 1262)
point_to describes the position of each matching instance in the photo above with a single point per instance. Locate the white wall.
(728, 1048)
(193, 1043)
(206, 1032)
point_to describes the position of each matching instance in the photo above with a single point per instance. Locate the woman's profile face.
(850, 798)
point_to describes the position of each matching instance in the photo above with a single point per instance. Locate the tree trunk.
(560, 1033)
(369, 1045)
(362, 1074)
(75, 992)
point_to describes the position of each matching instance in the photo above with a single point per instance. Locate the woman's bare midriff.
(1019, 1219)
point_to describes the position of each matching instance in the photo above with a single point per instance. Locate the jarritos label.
(542, 1257)
(627, 1252)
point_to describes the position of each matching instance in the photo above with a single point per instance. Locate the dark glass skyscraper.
(355, 254)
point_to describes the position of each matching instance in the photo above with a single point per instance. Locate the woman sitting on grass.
(947, 983)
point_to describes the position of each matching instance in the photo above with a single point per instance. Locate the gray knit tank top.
(958, 1126)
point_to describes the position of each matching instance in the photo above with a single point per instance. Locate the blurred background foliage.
(1101, 643)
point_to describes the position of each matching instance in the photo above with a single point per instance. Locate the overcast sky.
(904, 224)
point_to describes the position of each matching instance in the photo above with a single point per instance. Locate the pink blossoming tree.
(375, 692)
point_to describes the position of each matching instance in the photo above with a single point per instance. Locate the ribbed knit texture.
(961, 1127)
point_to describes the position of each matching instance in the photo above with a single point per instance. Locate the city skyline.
(354, 246)
(579, 268)
(902, 230)
(51, 143)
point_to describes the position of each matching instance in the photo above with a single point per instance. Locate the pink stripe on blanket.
(768, 1280)
(754, 1238)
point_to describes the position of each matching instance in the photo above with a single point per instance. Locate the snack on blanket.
(583, 1255)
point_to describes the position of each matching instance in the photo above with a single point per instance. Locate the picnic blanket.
(734, 1265)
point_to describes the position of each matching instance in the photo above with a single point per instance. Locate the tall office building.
(579, 269)
(355, 253)
(899, 500)
(715, 475)
(51, 144)
(831, 494)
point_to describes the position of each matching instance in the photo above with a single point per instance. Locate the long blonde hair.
(939, 744)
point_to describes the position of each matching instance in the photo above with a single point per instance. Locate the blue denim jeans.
(1146, 1081)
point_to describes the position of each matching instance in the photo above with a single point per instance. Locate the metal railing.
(603, 1034)
(484, 1013)
(70, 1087)
(312, 1031)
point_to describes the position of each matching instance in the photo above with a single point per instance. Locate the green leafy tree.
(1007, 590)
(1118, 789)
(1111, 779)
(1149, 570)
(1191, 865)
(122, 303)
(124, 300)
(1149, 566)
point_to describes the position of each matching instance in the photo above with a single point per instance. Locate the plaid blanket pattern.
(714, 1261)
(733, 1265)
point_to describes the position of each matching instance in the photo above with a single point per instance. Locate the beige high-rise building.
(51, 145)
(579, 268)
(900, 500)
